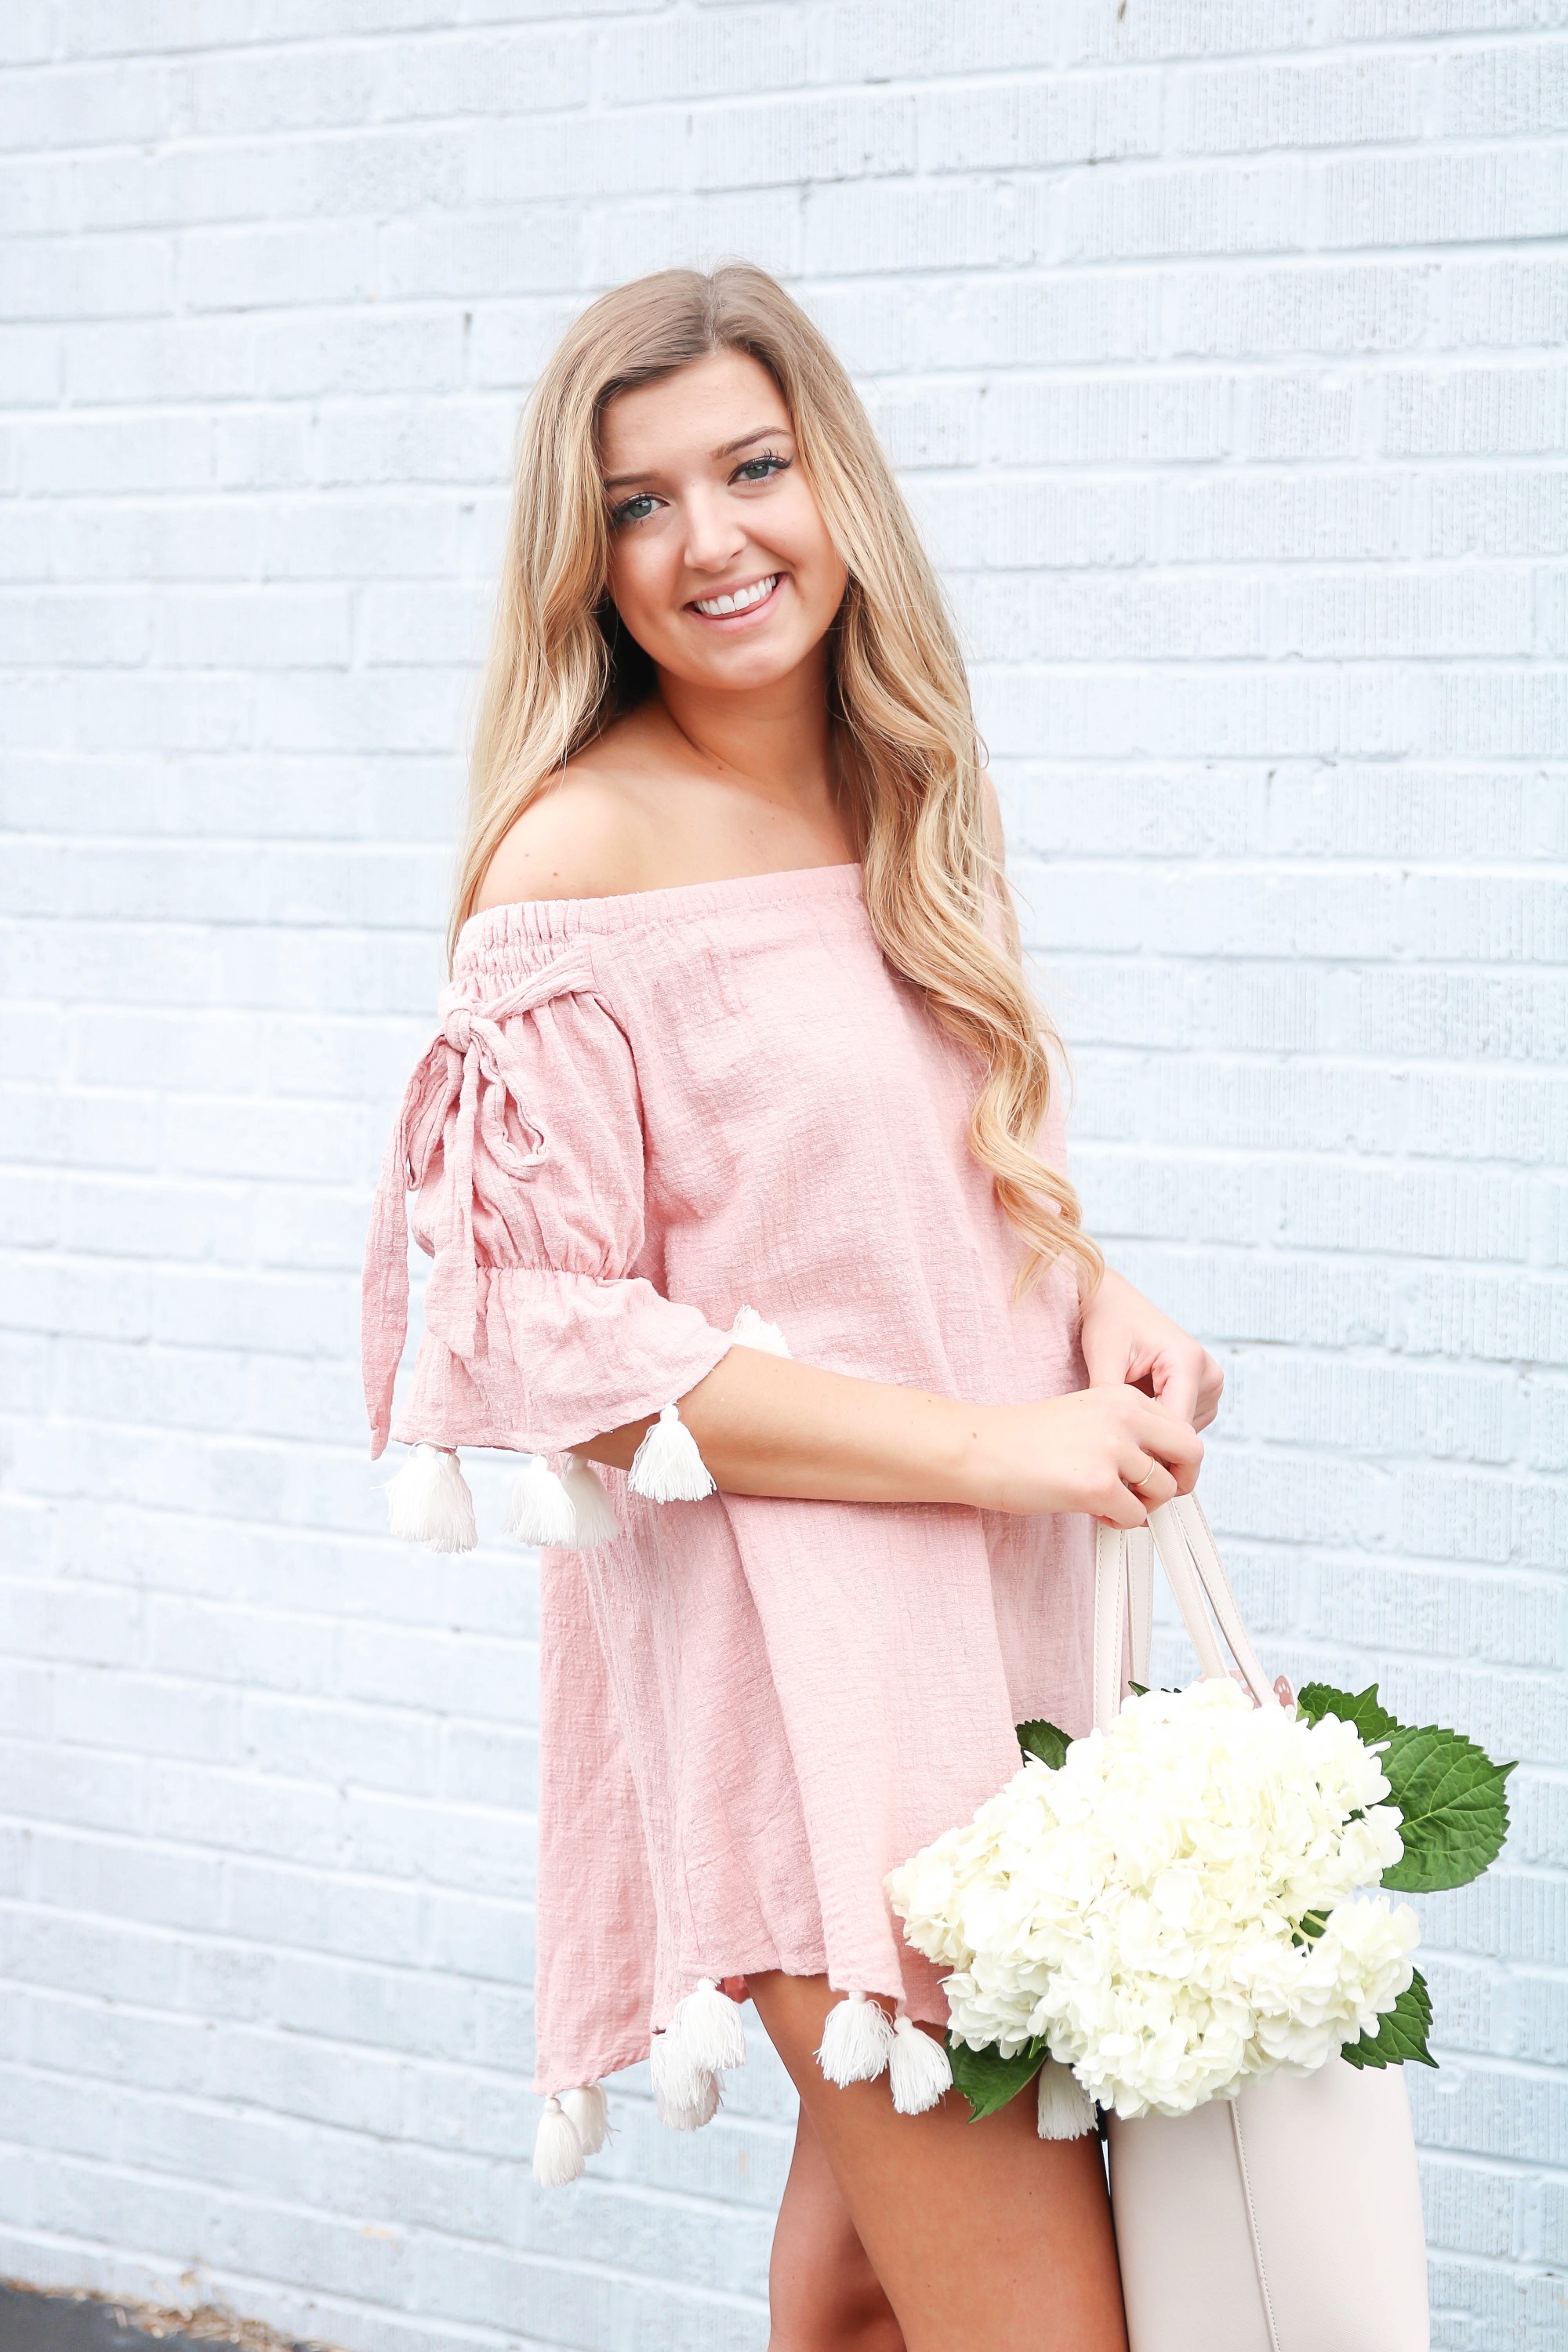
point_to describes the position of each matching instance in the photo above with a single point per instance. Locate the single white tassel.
(597, 1520)
(540, 1509)
(708, 2026)
(1063, 2109)
(588, 2111)
(857, 2039)
(919, 2069)
(677, 2085)
(557, 2149)
(749, 1331)
(667, 1466)
(428, 1502)
(692, 2118)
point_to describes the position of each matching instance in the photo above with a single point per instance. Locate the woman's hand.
(1112, 1451)
(1127, 1339)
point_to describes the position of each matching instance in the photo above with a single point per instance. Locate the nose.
(713, 536)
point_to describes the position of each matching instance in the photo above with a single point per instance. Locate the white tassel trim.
(680, 2089)
(597, 1520)
(557, 2148)
(540, 1509)
(428, 1502)
(588, 2111)
(691, 2119)
(667, 1466)
(749, 1331)
(1063, 2109)
(856, 2040)
(703, 2038)
(707, 2025)
(919, 2069)
(569, 1513)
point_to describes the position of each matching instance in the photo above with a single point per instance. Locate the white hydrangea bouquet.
(1195, 1896)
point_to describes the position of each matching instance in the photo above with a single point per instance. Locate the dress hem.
(621, 2054)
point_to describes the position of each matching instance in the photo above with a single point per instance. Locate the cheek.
(821, 567)
(801, 533)
(814, 538)
(632, 577)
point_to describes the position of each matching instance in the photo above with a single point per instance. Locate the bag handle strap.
(1182, 1519)
(1123, 1600)
(1123, 1605)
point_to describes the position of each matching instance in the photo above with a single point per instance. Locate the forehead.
(684, 416)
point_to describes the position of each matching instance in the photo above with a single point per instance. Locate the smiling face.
(721, 566)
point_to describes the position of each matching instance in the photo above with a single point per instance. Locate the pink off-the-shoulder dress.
(640, 1115)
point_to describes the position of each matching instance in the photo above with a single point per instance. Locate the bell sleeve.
(519, 1143)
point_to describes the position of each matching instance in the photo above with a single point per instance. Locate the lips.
(730, 603)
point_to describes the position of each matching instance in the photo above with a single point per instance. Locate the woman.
(739, 1156)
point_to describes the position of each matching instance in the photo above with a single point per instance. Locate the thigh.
(823, 2294)
(979, 2232)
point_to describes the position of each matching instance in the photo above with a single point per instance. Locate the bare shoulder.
(581, 836)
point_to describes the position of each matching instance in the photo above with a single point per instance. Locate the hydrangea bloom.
(1142, 1907)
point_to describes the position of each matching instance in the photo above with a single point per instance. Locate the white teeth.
(742, 600)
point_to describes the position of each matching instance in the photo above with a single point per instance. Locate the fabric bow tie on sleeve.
(457, 1100)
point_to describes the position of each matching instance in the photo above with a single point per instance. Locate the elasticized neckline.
(485, 935)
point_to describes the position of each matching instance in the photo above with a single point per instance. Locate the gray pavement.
(30, 2322)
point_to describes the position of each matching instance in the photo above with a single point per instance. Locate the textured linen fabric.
(640, 1115)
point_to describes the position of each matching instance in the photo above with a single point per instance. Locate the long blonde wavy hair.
(560, 669)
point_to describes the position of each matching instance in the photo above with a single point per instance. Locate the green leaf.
(1043, 1739)
(1402, 2031)
(1449, 1790)
(1455, 1807)
(1371, 1718)
(987, 2080)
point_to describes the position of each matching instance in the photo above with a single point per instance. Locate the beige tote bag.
(1288, 2219)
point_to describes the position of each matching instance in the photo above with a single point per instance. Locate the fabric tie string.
(457, 1099)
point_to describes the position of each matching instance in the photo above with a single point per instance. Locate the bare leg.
(822, 2294)
(980, 2234)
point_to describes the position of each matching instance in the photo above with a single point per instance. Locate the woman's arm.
(765, 1425)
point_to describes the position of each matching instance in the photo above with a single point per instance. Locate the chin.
(741, 667)
(747, 676)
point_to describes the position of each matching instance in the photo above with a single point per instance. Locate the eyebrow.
(759, 433)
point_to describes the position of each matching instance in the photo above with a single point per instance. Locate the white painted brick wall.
(1220, 346)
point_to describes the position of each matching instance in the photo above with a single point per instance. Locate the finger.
(1173, 1442)
(1176, 1384)
(1150, 1482)
(1210, 1391)
(1181, 1454)
(1118, 1506)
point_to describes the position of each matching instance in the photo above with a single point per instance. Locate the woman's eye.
(635, 510)
(757, 469)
